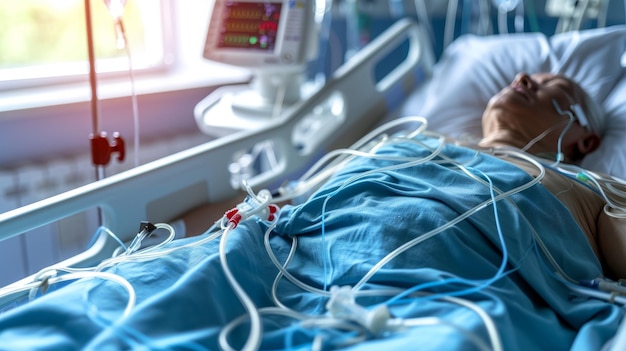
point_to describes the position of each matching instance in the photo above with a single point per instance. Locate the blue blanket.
(344, 229)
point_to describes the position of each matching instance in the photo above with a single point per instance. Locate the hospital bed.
(185, 298)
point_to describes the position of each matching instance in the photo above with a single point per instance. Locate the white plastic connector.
(342, 305)
(580, 115)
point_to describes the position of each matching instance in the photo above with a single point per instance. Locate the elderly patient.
(539, 114)
(528, 114)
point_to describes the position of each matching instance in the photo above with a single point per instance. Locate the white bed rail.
(164, 189)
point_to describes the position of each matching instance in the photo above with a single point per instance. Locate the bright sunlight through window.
(43, 39)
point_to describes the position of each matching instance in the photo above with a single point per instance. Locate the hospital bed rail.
(164, 189)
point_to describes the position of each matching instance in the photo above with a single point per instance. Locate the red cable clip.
(272, 212)
(233, 216)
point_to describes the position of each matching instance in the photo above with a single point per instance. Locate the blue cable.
(483, 283)
(97, 234)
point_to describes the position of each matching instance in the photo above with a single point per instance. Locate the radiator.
(19, 186)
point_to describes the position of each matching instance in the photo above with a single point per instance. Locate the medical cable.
(560, 157)
(280, 274)
(504, 7)
(518, 22)
(316, 174)
(257, 205)
(537, 238)
(448, 35)
(467, 12)
(133, 252)
(109, 233)
(588, 288)
(580, 10)
(382, 323)
(481, 283)
(256, 326)
(412, 162)
(606, 186)
(484, 22)
(281, 268)
(615, 198)
(542, 135)
(579, 287)
(359, 145)
(602, 13)
(45, 278)
(422, 14)
(135, 104)
(286, 274)
(467, 214)
(532, 16)
(228, 328)
(116, 9)
(492, 330)
(254, 205)
(354, 178)
(572, 22)
(392, 324)
(442, 228)
(371, 137)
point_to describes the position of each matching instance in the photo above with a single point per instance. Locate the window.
(43, 41)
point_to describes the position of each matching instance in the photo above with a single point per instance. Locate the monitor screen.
(249, 25)
(260, 34)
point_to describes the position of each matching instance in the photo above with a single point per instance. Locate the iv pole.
(100, 149)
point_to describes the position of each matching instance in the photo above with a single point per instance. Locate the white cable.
(318, 173)
(133, 95)
(484, 27)
(442, 228)
(53, 278)
(503, 22)
(422, 14)
(579, 13)
(492, 330)
(448, 36)
(256, 327)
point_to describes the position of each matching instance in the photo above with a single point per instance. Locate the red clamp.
(101, 150)
(234, 216)
(272, 209)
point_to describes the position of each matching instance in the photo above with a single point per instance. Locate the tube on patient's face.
(524, 110)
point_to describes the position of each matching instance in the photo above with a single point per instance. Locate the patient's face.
(524, 110)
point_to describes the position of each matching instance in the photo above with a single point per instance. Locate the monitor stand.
(265, 99)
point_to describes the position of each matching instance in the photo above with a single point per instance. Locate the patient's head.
(531, 114)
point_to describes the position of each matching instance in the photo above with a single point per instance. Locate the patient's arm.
(612, 242)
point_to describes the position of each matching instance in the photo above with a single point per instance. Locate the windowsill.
(42, 123)
(177, 79)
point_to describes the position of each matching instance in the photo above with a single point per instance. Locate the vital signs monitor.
(274, 39)
(260, 34)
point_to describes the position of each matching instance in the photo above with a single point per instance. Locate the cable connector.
(236, 215)
(342, 305)
(145, 229)
(43, 278)
(254, 205)
(612, 287)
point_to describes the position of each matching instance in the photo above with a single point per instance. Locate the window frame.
(107, 69)
(51, 118)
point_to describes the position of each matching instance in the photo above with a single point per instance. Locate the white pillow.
(472, 69)
(610, 157)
